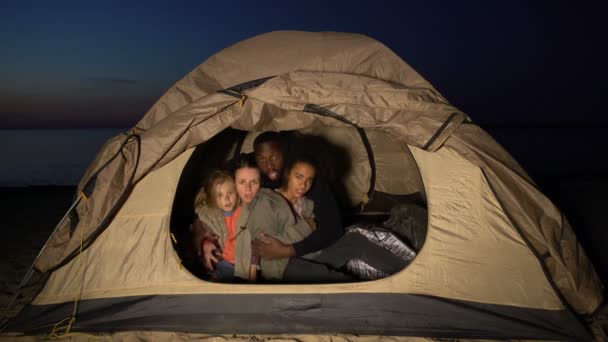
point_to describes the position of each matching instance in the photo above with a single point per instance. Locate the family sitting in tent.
(273, 216)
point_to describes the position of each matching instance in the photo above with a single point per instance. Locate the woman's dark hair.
(300, 157)
(243, 160)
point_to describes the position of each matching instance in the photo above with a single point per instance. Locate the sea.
(32, 157)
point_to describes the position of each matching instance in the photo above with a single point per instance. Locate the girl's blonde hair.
(207, 194)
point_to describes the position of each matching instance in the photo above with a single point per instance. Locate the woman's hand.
(268, 247)
(208, 255)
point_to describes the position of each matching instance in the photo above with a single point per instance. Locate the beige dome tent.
(499, 260)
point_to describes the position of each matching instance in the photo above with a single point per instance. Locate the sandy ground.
(30, 214)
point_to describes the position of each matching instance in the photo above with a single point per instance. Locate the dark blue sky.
(502, 62)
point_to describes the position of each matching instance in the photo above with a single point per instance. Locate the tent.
(499, 260)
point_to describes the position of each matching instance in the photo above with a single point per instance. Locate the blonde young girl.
(216, 205)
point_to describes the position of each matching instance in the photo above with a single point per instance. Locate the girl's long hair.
(207, 194)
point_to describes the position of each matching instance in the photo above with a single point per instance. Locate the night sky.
(67, 65)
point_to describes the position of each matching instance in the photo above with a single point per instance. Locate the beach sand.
(29, 215)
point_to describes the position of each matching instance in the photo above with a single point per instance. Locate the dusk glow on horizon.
(508, 62)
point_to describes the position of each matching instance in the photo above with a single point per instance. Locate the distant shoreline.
(488, 125)
(46, 128)
(39, 187)
(550, 153)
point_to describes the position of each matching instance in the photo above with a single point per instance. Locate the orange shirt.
(230, 243)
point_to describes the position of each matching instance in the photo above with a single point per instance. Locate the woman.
(299, 175)
(263, 213)
(351, 252)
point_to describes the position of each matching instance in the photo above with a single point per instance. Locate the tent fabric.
(415, 129)
(355, 313)
(200, 120)
(545, 228)
(495, 244)
(280, 52)
(463, 257)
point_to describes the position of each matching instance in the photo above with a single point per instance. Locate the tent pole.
(30, 271)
